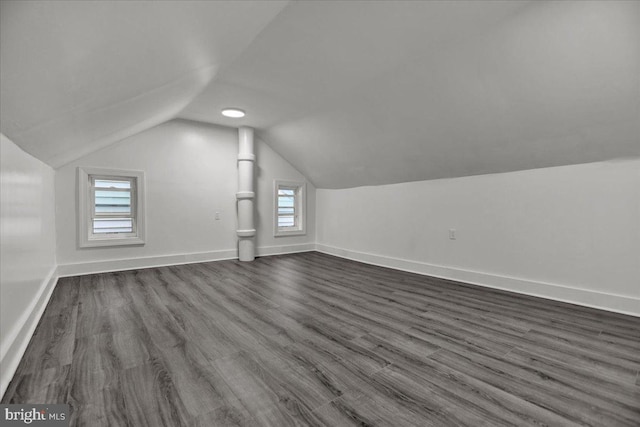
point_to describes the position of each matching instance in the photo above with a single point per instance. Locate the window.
(289, 205)
(110, 207)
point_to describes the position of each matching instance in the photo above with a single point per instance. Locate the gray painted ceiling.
(351, 93)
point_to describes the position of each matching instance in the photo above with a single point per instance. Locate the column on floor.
(245, 195)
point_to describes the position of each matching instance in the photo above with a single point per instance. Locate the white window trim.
(85, 206)
(301, 207)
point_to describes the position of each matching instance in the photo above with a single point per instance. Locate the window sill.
(115, 241)
(283, 233)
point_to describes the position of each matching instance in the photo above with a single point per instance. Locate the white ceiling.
(351, 93)
(79, 75)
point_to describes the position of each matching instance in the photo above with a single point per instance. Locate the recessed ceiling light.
(235, 113)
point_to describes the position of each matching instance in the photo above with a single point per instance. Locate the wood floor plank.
(399, 347)
(362, 410)
(608, 364)
(258, 390)
(497, 339)
(612, 338)
(95, 397)
(622, 395)
(625, 354)
(538, 387)
(151, 398)
(64, 297)
(201, 387)
(428, 399)
(52, 344)
(50, 385)
(314, 340)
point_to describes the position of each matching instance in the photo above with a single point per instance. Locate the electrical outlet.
(452, 233)
(217, 216)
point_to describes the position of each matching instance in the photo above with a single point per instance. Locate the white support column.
(245, 195)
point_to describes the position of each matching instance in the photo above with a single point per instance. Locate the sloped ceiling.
(368, 93)
(351, 93)
(79, 75)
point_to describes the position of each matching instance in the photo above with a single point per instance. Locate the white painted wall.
(270, 166)
(570, 232)
(191, 173)
(27, 250)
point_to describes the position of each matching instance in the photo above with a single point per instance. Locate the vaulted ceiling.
(80, 75)
(351, 93)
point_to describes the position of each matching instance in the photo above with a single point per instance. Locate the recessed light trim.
(234, 113)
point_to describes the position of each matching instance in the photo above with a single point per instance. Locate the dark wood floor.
(311, 339)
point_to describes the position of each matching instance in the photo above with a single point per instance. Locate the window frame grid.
(132, 190)
(87, 208)
(296, 210)
(299, 208)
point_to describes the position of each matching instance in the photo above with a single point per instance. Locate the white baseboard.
(106, 266)
(600, 300)
(285, 249)
(82, 268)
(17, 340)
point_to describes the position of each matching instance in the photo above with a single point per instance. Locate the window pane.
(112, 225)
(104, 183)
(116, 194)
(286, 201)
(286, 192)
(288, 208)
(286, 221)
(113, 209)
(107, 202)
(286, 211)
